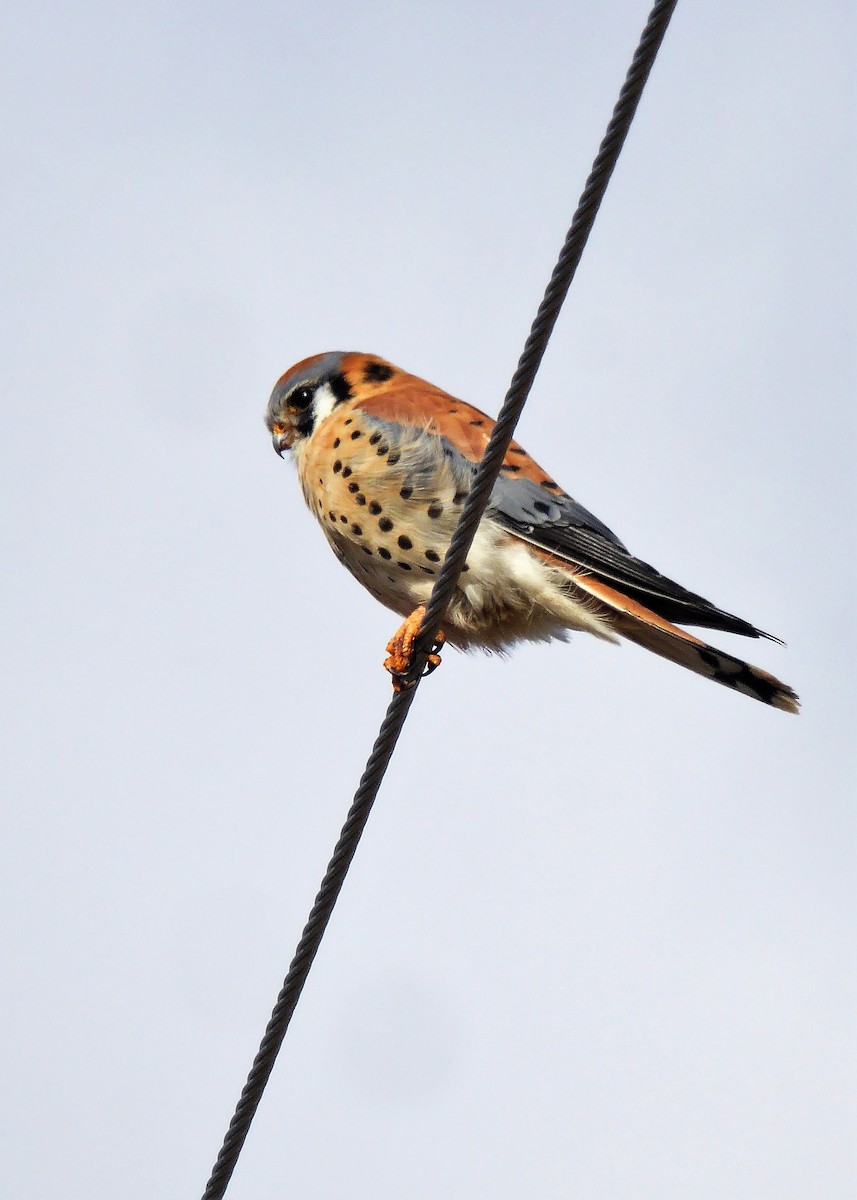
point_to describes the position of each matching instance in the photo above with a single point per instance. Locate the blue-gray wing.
(571, 533)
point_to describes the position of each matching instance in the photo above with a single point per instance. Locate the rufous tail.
(636, 623)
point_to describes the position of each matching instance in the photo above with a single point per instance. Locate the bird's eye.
(301, 398)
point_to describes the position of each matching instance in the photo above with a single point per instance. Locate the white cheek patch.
(323, 404)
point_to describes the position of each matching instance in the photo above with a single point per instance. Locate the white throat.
(323, 403)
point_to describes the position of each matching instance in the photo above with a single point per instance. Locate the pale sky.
(599, 938)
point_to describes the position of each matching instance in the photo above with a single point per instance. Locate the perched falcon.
(385, 461)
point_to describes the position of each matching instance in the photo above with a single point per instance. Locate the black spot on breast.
(365, 549)
(360, 499)
(427, 570)
(394, 458)
(432, 556)
(340, 387)
(406, 492)
(336, 443)
(405, 542)
(385, 553)
(331, 516)
(337, 467)
(354, 486)
(385, 524)
(404, 566)
(374, 439)
(375, 507)
(459, 498)
(435, 509)
(382, 450)
(348, 420)
(346, 471)
(355, 434)
(356, 530)
(377, 372)
(344, 519)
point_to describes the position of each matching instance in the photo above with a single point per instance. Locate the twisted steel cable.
(397, 711)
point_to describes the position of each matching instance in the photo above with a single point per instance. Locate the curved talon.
(400, 682)
(433, 658)
(432, 664)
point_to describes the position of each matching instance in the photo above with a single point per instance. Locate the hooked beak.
(282, 439)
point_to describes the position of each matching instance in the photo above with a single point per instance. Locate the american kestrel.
(385, 461)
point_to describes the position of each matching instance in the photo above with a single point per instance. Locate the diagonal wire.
(397, 711)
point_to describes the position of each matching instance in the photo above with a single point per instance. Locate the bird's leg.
(401, 647)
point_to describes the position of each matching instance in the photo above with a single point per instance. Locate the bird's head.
(311, 390)
(303, 397)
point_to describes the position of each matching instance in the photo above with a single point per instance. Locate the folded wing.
(567, 531)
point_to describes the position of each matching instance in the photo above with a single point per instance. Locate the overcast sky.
(599, 938)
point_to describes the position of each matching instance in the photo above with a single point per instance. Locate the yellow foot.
(400, 648)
